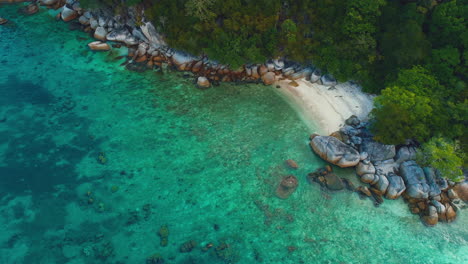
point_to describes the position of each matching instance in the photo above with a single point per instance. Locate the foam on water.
(204, 163)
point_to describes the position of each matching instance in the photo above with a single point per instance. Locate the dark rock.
(3, 21)
(378, 151)
(187, 246)
(154, 259)
(405, 153)
(286, 187)
(349, 184)
(353, 121)
(415, 180)
(333, 182)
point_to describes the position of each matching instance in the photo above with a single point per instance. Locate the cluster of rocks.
(390, 171)
(147, 49)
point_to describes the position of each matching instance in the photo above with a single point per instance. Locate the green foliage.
(442, 155)
(400, 114)
(415, 53)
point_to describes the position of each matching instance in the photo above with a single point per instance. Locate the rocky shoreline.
(390, 171)
(147, 49)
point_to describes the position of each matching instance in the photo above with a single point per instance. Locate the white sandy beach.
(326, 108)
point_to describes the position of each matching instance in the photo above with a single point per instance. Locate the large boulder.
(99, 46)
(335, 151)
(151, 34)
(382, 184)
(268, 78)
(100, 33)
(434, 189)
(396, 186)
(405, 153)
(363, 168)
(117, 35)
(378, 151)
(368, 178)
(415, 180)
(68, 14)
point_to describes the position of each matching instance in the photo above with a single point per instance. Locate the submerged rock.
(291, 163)
(3, 21)
(335, 151)
(333, 182)
(286, 187)
(187, 246)
(99, 46)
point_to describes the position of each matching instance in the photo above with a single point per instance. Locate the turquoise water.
(205, 163)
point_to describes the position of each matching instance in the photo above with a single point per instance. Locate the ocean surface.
(96, 161)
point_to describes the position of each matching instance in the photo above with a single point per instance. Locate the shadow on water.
(15, 91)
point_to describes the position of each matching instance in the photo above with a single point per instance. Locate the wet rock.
(286, 187)
(187, 246)
(431, 218)
(439, 207)
(382, 184)
(292, 164)
(100, 33)
(68, 14)
(378, 151)
(450, 213)
(268, 78)
(415, 180)
(363, 168)
(364, 190)
(348, 184)
(333, 182)
(368, 178)
(396, 186)
(99, 46)
(203, 82)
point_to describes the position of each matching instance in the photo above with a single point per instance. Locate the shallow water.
(203, 162)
